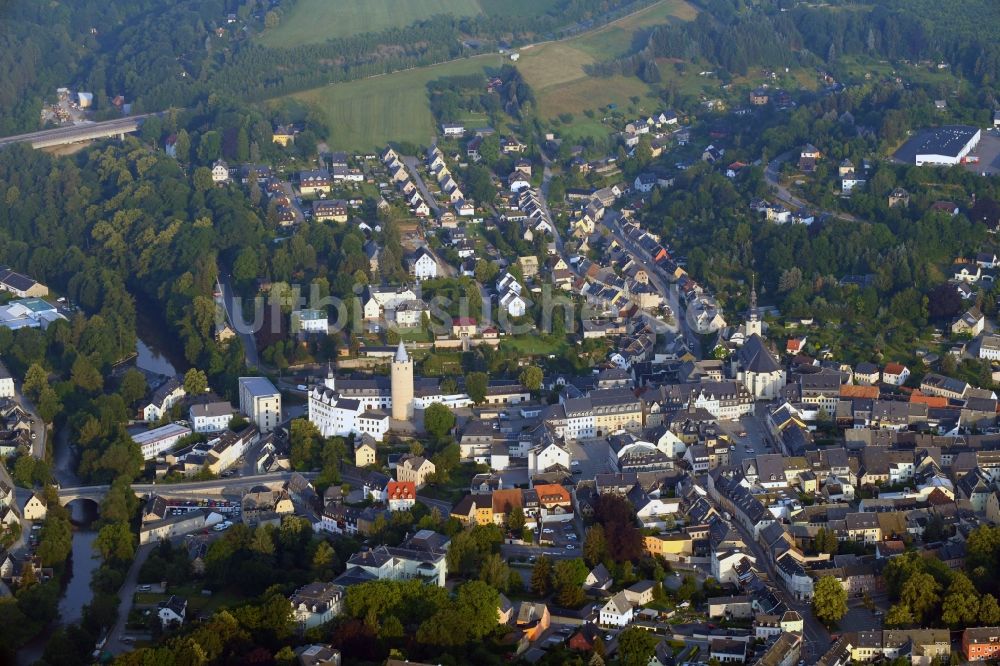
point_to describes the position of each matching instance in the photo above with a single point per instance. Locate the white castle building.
(342, 406)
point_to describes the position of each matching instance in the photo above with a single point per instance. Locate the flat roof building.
(260, 402)
(947, 145)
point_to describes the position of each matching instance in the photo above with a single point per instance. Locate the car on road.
(548, 530)
(732, 449)
(571, 537)
(570, 546)
(741, 433)
(145, 588)
(608, 637)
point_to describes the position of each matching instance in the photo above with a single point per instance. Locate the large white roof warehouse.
(946, 145)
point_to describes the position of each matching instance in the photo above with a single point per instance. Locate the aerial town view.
(486, 332)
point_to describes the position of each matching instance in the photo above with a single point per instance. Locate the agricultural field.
(368, 113)
(315, 21)
(557, 70)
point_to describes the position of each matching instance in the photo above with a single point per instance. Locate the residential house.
(617, 612)
(163, 398)
(220, 172)
(533, 619)
(172, 611)
(315, 604)
(598, 579)
(970, 323)
(211, 417)
(401, 495)
(896, 374)
(423, 264)
(364, 453)
(414, 469)
(35, 508)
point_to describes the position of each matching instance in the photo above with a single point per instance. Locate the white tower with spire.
(402, 385)
(753, 325)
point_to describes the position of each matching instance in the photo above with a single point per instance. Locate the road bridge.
(62, 136)
(236, 485)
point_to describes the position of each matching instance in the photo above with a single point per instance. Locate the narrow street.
(413, 167)
(290, 193)
(126, 595)
(39, 432)
(816, 638)
(245, 332)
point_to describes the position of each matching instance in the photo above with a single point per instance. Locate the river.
(151, 360)
(85, 560)
(83, 563)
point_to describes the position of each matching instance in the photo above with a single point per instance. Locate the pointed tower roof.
(401, 355)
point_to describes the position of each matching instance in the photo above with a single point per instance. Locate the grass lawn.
(315, 21)
(534, 345)
(457, 486)
(198, 604)
(368, 113)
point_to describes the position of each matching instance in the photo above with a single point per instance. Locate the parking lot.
(560, 536)
(593, 457)
(988, 153)
(748, 437)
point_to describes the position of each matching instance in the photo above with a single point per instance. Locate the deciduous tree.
(829, 600)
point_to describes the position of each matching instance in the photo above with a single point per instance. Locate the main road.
(816, 637)
(213, 486)
(87, 131)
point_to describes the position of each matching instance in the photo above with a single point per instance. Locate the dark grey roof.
(754, 356)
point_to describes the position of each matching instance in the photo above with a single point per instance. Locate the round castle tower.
(402, 385)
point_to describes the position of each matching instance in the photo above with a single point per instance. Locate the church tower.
(753, 325)
(402, 385)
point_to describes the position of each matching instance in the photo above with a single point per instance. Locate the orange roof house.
(850, 391)
(929, 400)
(400, 490)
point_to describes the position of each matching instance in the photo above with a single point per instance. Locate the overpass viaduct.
(61, 136)
(235, 486)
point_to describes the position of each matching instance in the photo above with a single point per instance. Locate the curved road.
(245, 331)
(773, 177)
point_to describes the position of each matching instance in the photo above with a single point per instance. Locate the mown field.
(371, 112)
(557, 70)
(314, 21)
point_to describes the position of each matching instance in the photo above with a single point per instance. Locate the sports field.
(314, 21)
(369, 113)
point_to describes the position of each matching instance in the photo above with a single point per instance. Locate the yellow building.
(675, 547)
(283, 136)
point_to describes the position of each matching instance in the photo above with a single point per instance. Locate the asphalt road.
(245, 332)
(816, 638)
(772, 174)
(413, 167)
(71, 133)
